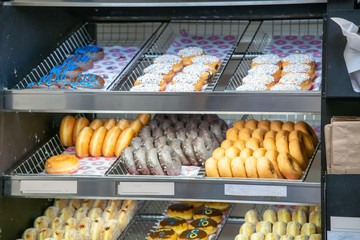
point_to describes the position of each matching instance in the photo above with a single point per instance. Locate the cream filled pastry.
(151, 79)
(203, 71)
(302, 80)
(254, 86)
(146, 88)
(180, 87)
(298, 68)
(264, 79)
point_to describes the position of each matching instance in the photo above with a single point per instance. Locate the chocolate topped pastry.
(177, 224)
(206, 224)
(195, 234)
(206, 212)
(183, 210)
(162, 233)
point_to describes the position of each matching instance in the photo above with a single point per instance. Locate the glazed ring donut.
(96, 142)
(297, 151)
(306, 128)
(259, 133)
(66, 131)
(227, 143)
(123, 124)
(62, 164)
(264, 124)
(218, 153)
(288, 126)
(224, 166)
(211, 168)
(270, 144)
(144, 118)
(260, 152)
(108, 147)
(239, 124)
(232, 152)
(251, 167)
(272, 156)
(282, 134)
(80, 123)
(232, 134)
(251, 124)
(305, 139)
(276, 125)
(244, 134)
(83, 142)
(124, 140)
(95, 124)
(246, 153)
(240, 144)
(136, 125)
(109, 123)
(282, 145)
(265, 168)
(253, 143)
(288, 166)
(238, 168)
(270, 134)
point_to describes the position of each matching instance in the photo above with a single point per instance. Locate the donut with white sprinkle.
(187, 54)
(150, 78)
(163, 69)
(175, 61)
(263, 79)
(268, 69)
(180, 87)
(266, 59)
(302, 80)
(299, 59)
(298, 68)
(207, 60)
(203, 71)
(189, 79)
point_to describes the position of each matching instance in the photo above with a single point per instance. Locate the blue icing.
(88, 49)
(64, 68)
(77, 58)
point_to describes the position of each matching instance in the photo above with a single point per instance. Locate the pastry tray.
(219, 38)
(282, 37)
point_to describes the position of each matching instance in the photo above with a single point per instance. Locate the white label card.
(345, 224)
(146, 188)
(31, 186)
(255, 190)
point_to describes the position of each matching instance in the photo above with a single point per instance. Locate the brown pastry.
(162, 233)
(206, 224)
(195, 234)
(206, 212)
(182, 210)
(177, 224)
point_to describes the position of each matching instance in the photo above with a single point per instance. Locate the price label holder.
(146, 188)
(255, 190)
(53, 187)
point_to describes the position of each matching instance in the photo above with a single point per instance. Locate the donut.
(251, 124)
(308, 229)
(253, 143)
(96, 142)
(109, 142)
(100, 203)
(109, 123)
(211, 168)
(299, 68)
(298, 59)
(83, 142)
(269, 144)
(242, 237)
(248, 228)
(218, 153)
(124, 140)
(276, 125)
(251, 167)
(244, 134)
(193, 234)
(284, 215)
(123, 124)
(288, 126)
(303, 208)
(266, 69)
(187, 54)
(272, 236)
(206, 212)
(238, 168)
(282, 145)
(227, 143)
(80, 123)
(96, 227)
(289, 168)
(182, 210)
(222, 206)
(265, 168)
(280, 228)
(246, 153)
(45, 233)
(84, 227)
(163, 69)
(81, 60)
(297, 151)
(60, 203)
(95, 212)
(52, 212)
(30, 234)
(259, 133)
(194, 204)
(272, 156)
(260, 152)
(144, 87)
(66, 131)
(62, 164)
(282, 134)
(315, 218)
(305, 140)
(302, 237)
(240, 144)
(66, 213)
(95, 124)
(96, 53)
(69, 69)
(315, 237)
(75, 203)
(86, 81)
(232, 134)
(144, 118)
(257, 82)
(178, 224)
(232, 152)
(136, 125)
(162, 233)
(210, 61)
(258, 236)
(264, 124)
(81, 213)
(296, 81)
(266, 59)
(151, 79)
(264, 226)
(109, 213)
(206, 224)
(270, 215)
(71, 223)
(204, 72)
(239, 124)
(251, 216)
(307, 129)
(270, 134)
(57, 223)
(293, 228)
(193, 80)
(42, 222)
(175, 61)
(224, 167)
(314, 208)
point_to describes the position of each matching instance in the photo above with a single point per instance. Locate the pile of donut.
(100, 138)
(265, 149)
(69, 75)
(79, 219)
(187, 72)
(303, 224)
(190, 220)
(268, 72)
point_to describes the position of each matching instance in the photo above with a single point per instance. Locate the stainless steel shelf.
(150, 3)
(131, 102)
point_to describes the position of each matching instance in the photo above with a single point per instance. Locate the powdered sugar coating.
(170, 59)
(162, 68)
(267, 59)
(264, 69)
(190, 51)
(298, 58)
(205, 59)
(284, 87)
(196, 69)
(294, 79)
(150, 79)
(180, 87)
(258, 78)
(145, 88)
(296, 68)
(186, 78)
(254, 86)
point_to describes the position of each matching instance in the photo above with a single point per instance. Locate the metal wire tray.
(259, 40)
(192, 28)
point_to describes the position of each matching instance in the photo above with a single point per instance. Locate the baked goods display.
(268, 72)
(81, 223)
(191, 220)
(70, 74)
(284, 224)
(187, 72)
(171, 141)
(263, 149)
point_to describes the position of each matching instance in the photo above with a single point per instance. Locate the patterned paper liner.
(214, 236)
